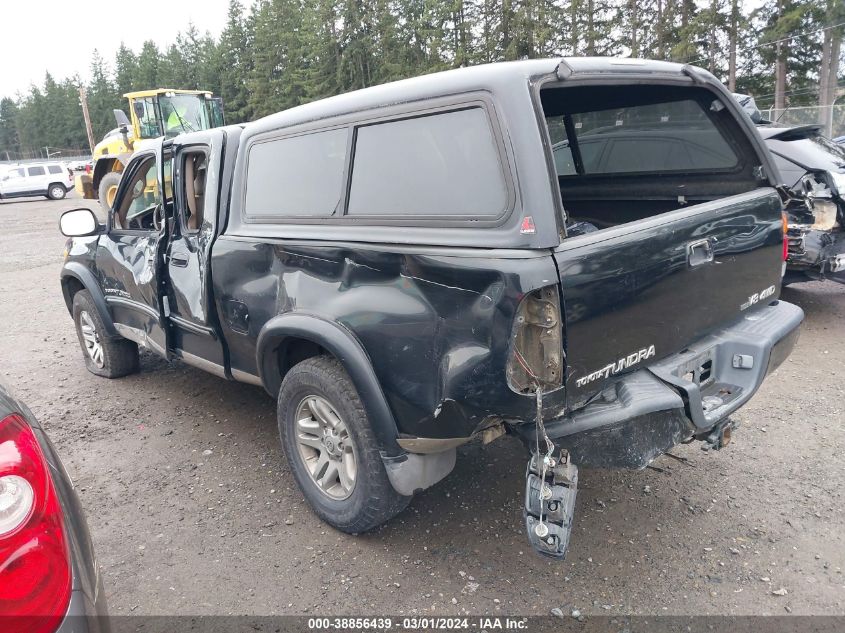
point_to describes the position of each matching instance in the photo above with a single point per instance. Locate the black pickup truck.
(414, 265)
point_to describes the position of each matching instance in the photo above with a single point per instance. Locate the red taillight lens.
(785, 237)
(35, 575)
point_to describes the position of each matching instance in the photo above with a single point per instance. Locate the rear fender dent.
(344, 346)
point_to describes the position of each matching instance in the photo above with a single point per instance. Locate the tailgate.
(638, 292)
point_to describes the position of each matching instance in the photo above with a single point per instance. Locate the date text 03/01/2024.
(417, 623)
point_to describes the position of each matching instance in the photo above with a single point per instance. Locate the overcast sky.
(61, 35)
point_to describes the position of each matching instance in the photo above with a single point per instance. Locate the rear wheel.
(104, 356)
(108, 189)
(56, 191)
(331, 448)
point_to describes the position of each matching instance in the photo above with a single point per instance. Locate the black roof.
(494, 77)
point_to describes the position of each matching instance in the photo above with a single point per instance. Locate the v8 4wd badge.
(757, 297)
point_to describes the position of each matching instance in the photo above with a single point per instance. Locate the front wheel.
(56, 192)
(331, 448)
(108, 189)
(104, 356)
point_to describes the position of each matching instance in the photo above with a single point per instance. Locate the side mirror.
(79, 223)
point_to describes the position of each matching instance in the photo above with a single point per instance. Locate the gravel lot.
(193, 509)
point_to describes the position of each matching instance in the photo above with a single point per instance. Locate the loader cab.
(165, 112)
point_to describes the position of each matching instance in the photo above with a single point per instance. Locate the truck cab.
(414, 266)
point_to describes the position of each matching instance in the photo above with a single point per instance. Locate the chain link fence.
(45, 154)
(831, 117)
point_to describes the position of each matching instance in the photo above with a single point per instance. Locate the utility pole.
(83, 101)
(734, 27)
(781, 54)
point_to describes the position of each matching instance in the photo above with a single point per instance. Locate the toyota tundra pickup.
(584, 253)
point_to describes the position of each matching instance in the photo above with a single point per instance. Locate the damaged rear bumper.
(688, 395)
(815, 254)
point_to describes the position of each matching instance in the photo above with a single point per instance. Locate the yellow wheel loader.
(154, 113)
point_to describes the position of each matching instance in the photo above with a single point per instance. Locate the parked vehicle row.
(52, 180)
(498, 249)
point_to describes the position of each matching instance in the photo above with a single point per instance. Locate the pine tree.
(834, 16)
(9, 142)
(102, 98)
(279, 75)
(149, 60)
(788, 48)
(126, 70)
(235, 58)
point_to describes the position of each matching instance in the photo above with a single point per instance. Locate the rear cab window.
(35, 171)
(54, 169)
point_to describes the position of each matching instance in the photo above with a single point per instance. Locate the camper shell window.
(626, 153)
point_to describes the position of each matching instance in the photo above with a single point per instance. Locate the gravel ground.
(193, 509)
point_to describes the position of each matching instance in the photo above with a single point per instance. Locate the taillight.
(35, 575)
(785, 237)
(536, 353)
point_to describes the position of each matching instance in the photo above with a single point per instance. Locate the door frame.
(154, 331)
(196, 337)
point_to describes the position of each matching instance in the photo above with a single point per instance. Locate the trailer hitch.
(720, 436)
(550, 488)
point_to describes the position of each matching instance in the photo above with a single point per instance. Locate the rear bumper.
(682, 397)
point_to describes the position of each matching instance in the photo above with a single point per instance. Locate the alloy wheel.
(326, 447)
(91, 338)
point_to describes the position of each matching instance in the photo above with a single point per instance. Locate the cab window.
(192, 189)
(145, 110)
(36, 171)
(141, 198)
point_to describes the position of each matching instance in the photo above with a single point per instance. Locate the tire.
(109, 181)
(114, 357)
(371, 500)
(56, 191)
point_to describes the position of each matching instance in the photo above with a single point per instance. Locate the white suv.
(53, 180)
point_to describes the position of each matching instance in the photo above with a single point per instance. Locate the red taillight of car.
(785, 237)
(35, 573)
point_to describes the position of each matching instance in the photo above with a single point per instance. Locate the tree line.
(281, 53)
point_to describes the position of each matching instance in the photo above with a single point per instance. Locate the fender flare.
(84, 276)
(344, 346)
